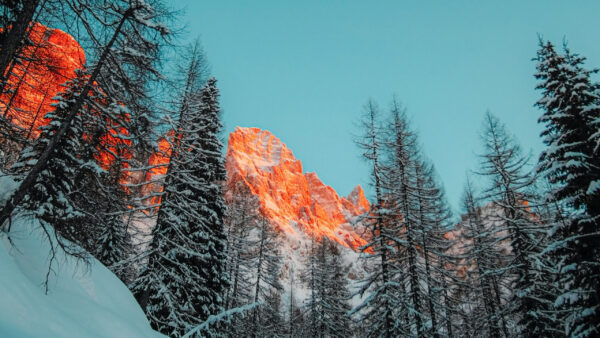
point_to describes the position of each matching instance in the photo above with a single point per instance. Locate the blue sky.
(304, 69)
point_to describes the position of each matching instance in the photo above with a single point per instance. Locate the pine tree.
(328, 306)
(313, 277)
(242, 216)
(447, 283)
(378, 313)
(433, 216)
(80, 193)
(54, 198)
(125, 39)
(571, 162)
(265, 265)
(548, 263)
(509, 180)
(401, 184)
(185, 280)
(296, 320)
(108, 199)
(254, 264)
(484, 252)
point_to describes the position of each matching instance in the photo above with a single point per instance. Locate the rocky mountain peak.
(292, 200)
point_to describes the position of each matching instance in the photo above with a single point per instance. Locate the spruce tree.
(81, 193)
(242, 217)
(185, 280)
(434, 219)
(108, 199)
(571, 163)
(55, 197)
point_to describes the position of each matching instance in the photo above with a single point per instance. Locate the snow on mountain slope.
(82, 301)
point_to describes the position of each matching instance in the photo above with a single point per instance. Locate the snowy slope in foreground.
(81, 301)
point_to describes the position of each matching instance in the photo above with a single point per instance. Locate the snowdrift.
(82, 301)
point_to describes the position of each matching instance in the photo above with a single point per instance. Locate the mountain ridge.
(290, 198)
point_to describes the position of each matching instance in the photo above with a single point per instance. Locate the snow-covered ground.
(82, 300)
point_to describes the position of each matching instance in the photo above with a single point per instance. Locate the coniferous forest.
(111, 133)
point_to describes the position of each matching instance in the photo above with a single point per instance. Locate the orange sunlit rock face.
(46, 64)
(113, 145)
(293, 200)
(159, 164)
(159, 161)
(49, 62)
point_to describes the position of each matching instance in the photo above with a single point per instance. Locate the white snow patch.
(82, 301)
(593, 188)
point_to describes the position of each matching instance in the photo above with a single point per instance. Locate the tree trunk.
(258, 276)
(14, 38)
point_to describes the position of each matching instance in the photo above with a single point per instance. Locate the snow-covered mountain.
(294, 201)
(298, 204)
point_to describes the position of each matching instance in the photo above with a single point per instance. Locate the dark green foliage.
(571, 163)
(185, 280)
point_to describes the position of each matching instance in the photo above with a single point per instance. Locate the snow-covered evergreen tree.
(254, 264)
(433, 216)
(507, 188)
(482, 247)
(185, 280)
(265, 265)
(407, 246)
(108, 198)
(403, 191)
(55, 198)
(80, 193)
(548, 265)
(571, 162)
(328, 306)
(242, 217)
(378, 313)
(124, 39)
(313, 277)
